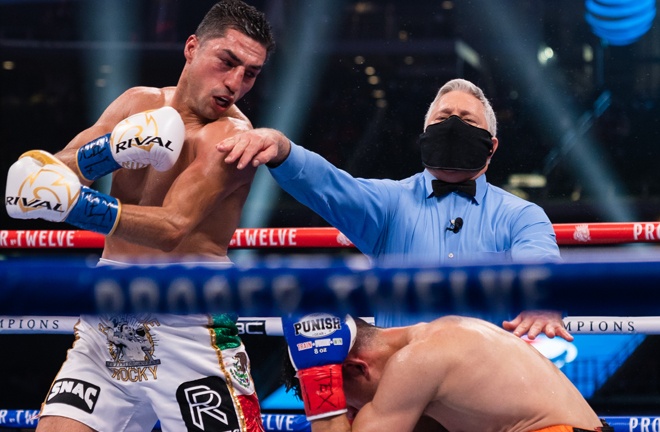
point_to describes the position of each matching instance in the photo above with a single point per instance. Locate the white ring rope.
(272, 326)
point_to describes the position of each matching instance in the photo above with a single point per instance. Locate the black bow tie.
(442, 188)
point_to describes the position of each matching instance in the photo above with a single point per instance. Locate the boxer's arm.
(427, 424)
(340, 423)
(331, 424)
(406, 388)
(196, 192)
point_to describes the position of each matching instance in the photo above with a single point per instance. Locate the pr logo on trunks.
(131, 347)
(207, 406)
(77, 393)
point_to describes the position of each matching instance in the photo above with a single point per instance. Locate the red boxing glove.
(318, 344)
(322, 391)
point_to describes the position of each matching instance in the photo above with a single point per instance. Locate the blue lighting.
(620, 22)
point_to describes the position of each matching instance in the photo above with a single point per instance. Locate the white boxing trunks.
(125, 372)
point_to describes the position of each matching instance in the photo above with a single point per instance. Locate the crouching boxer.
(452, 374)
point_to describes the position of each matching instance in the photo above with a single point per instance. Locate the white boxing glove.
(39, 186)
(152, 137)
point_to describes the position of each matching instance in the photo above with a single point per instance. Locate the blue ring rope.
(70, 288)
(18, 419)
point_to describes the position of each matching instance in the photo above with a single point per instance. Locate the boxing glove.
(39, 186)
(148, 138)
(318, 345)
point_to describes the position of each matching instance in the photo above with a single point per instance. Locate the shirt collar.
(481, 186)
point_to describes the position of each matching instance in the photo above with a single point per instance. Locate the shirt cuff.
(291, 166)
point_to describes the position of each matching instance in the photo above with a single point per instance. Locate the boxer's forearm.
(154, 227)
(332, 424)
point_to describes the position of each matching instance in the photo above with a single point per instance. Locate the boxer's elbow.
(169, 241)
(174, 231)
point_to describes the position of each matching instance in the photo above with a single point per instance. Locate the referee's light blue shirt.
(402, 219)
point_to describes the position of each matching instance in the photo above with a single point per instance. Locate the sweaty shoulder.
(443, 328)
(228, 126)
(138, 99)
(234, 113)
(426, 345)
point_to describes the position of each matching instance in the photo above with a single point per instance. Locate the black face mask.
(453, 144)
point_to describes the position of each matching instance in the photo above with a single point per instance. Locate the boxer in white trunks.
(172, 199)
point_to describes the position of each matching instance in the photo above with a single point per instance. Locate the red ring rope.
(246, 238)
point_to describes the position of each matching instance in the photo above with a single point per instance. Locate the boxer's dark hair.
(288, 375)
(234, 14)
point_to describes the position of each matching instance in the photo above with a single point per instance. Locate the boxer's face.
(359, 388)
(221, 71)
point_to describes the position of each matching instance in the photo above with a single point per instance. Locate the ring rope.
(272, 326)
(276, 287)
(279, 286)
(20, 419)
(326, 237)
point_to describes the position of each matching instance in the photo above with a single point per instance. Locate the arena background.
(351, 80)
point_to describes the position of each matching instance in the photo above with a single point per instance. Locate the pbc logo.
(253, 327)
(77, 393)
(206, 405)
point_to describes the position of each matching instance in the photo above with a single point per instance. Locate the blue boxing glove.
(318, 344)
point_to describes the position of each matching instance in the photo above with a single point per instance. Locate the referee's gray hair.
(466, 86)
